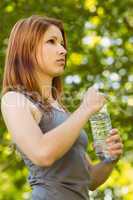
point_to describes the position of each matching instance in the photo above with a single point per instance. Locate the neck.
(45, 87)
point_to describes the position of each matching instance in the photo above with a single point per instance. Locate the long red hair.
(20, 62)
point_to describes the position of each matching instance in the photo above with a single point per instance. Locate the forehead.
(53, 31)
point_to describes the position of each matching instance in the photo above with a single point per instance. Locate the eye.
(63, 44)
(51, 41)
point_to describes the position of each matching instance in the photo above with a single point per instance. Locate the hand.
(93, 100)
(114, 142)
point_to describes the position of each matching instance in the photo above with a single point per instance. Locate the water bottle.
(101, 125)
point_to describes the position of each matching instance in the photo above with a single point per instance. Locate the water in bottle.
(101, 125)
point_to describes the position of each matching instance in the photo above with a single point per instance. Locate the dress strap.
(37, 103)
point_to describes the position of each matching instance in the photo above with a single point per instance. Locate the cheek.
(48, 52)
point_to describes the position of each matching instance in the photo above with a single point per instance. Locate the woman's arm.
(100, 172)
(45, 149)
(42, 149)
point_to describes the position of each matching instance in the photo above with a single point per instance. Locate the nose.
(62, 50)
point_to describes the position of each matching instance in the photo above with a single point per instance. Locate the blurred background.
(100, 52)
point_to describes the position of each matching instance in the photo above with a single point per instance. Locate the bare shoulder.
(21, 125)
(13, 100)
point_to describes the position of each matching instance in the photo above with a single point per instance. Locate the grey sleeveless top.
(68, 177)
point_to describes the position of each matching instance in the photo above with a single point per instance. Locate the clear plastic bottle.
(101, 125)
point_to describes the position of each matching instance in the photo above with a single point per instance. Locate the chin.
(60, 72)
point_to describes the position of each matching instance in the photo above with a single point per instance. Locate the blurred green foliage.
(100, 52)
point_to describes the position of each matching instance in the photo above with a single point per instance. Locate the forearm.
(100, 173)
(60, 139)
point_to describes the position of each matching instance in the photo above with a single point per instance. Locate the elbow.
(92, 185)
(92, 188)
(44, 160)
(43, 163)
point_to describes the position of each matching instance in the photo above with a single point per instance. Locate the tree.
(100, 48)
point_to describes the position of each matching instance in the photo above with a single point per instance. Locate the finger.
(114, 131)
(94, 87)
(113, 134)
(115, 147)
(116, 152)
(115, 137)
(105, 96)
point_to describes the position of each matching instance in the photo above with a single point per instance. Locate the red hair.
(20, 62)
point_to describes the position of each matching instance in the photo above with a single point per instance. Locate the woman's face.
(50, 51)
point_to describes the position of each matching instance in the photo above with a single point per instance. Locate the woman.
(50, 139)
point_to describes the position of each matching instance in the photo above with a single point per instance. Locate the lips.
(62, 61)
